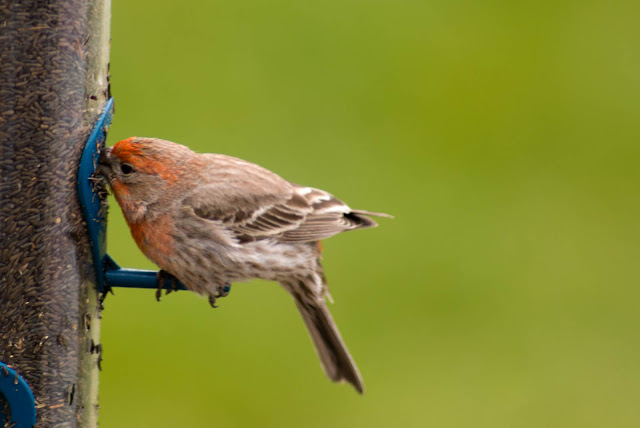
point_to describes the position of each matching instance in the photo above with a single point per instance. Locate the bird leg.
(161, 277)
(212, 301)
(221, 291)
(174, 285)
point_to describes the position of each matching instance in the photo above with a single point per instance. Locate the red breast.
(155, 237)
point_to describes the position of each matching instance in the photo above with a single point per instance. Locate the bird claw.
(161, 277)
(212, 301)
(221, 291)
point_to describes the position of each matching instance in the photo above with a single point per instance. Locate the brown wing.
(255, 204)
(329, 216)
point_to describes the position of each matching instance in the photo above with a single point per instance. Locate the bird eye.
(126, 168)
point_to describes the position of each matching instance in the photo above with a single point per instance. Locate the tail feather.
(362, 212)
(334, 356)
(361, 220)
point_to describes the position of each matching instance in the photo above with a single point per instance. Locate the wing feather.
(254, 203)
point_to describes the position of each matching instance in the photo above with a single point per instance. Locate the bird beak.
(104, 163)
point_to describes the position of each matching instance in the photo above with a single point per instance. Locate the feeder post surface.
(53, 85)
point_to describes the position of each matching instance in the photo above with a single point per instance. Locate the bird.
(210, 220)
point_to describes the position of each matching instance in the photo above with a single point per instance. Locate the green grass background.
(504, 137)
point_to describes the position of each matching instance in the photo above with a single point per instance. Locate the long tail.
(334, 356)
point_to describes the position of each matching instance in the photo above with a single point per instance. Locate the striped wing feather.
(257, 204)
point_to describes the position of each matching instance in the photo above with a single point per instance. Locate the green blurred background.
(504, 138)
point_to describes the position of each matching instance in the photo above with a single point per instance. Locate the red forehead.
(139, 153)
(127, 150)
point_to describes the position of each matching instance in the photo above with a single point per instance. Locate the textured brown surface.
(52, 86)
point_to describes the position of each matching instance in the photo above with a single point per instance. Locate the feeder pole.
(54, 58)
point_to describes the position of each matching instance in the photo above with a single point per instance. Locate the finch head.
(143, 171)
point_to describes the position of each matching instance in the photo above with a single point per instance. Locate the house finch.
(210, 220)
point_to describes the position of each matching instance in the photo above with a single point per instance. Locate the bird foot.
(221, 291)
(161, 277)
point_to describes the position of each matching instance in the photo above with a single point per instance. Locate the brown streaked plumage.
(211, 219)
